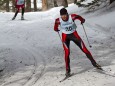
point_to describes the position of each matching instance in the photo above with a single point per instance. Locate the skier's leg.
(82, 46)
(66, 44)
(17, 10)
(22, 17)
(88, 54)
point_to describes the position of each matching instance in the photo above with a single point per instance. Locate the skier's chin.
(65, 19)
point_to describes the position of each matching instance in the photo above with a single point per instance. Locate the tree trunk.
(13, 5)
(1, 5)
(44, 5)
(35, 5)
(55, 3)
(7, 6)
(111, 1)
(75, 1)
(65, 3)
(28, 5)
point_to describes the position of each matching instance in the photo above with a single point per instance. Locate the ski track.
(35, 75)
(35, 72)
(32, 75)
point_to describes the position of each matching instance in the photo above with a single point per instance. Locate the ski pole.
(60, 37)
(86, 35)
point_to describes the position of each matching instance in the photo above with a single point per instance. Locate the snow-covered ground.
(31, 53)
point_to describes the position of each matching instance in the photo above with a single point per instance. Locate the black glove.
(83, 21)
(57, 30)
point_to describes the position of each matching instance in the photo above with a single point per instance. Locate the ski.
(19, 20)
(109, 73)
(23, 19)
(66, 77)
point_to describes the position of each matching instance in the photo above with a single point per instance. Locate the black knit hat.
(63, 11)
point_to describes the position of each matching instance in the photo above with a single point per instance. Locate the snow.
(87, 1)
(31, 53)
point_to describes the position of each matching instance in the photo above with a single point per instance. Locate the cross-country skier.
(69, 33)
(19, 4)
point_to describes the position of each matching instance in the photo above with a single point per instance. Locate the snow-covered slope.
(31, 53)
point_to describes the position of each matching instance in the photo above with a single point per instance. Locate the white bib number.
(69, 28)
(20, 2)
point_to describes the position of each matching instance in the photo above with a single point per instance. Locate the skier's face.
(64, 17)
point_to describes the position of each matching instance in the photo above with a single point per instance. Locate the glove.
(82, 21)
(57, 30)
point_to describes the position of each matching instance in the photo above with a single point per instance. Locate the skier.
(19, 4)
(69, 33)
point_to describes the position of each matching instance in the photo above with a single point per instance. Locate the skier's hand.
(83, 21)
(57, 30)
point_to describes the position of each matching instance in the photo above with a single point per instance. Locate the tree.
(55, 3)
(13, 5)
(65, 3)
(44, 5)
(7, 6)
(28, 5)
(79, 3)
(1, 4)
(35, 5)
(111, 1)
(75, 1)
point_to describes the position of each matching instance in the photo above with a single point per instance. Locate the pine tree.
(65, 3)
(7, 6)
(55, 3)
(111, 1)
(28, 5)
(75, 1)
(79, 3)
(13, 5)
(35, 5)
(1, 4)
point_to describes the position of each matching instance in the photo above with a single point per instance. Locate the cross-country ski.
(67, 77)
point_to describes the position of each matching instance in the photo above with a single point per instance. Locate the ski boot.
(68, 73)
(22, 18)
(13, 18)
(97, 66)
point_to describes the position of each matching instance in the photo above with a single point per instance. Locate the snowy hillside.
(31, 53)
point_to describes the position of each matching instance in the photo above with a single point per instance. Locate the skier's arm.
(57, 23)
(74, 17)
